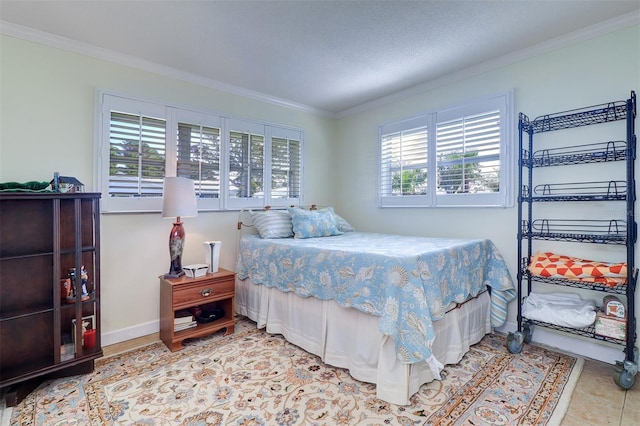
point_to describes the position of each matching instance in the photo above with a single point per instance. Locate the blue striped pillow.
(273, 224)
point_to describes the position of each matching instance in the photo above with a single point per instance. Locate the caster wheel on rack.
(623, 377)
(515, 342)
(527, 329)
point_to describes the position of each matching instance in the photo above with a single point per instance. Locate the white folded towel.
(567, 310)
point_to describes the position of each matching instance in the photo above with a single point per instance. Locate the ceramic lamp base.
(176, 243)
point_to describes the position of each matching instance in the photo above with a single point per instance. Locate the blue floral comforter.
(406, 281)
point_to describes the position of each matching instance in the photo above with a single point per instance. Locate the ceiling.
(331, 56)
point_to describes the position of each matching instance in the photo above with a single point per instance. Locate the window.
(143, 142)
(197, 154)
(246, 162)
(253, 163)
(461, 156)
(199, 157)
(285, 166)
(405, 159)
(136, 155)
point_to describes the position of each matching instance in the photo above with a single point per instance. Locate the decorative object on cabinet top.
(66, 184)
(63, 184)
(196, 270)
(31, 186)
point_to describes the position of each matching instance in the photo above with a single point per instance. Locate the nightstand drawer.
(201, 292)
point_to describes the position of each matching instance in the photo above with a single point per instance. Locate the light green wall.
(47, 124)
(600, 70)
(46, 117)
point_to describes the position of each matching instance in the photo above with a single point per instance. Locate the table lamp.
(178, 200)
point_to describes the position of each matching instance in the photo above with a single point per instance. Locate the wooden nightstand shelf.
(183, 293)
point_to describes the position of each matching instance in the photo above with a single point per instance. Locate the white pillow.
(273, 224)
(343, 225)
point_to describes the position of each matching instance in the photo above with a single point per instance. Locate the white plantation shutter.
(468, 154)
(198, 158)
(405, 157)
(234, 163)
(404, 162)
(286, 165)
(265, 165)
(136, 155)
(246, 162)
(461, 156)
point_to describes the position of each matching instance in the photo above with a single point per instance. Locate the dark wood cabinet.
(44, 331)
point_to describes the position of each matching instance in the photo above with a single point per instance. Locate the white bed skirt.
(350, 339)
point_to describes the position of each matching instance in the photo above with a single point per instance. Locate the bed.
(391, 309)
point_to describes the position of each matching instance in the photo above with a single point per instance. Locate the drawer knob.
(205, 292)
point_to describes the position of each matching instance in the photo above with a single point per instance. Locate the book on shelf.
(180, 327)
(183, 316)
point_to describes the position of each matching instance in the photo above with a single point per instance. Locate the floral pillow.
(314, 223)
(273, 224)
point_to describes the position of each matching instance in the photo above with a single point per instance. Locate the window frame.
(106, 102)
(502, 102)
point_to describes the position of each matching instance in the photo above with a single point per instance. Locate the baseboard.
(565, 342)
(129, 333)
(604, 352)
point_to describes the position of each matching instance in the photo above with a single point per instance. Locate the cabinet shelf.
(24, 256)
(18, 313)
(86, 249)
(15, 256)
(14, 375)
(72, 306)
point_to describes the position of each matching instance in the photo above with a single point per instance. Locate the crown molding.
(584, 34)
(52, 40)
(74, 46)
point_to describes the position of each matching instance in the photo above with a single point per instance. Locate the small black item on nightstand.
(210, 314)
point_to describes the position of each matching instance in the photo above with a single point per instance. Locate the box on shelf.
(609, 326)
(196, 270)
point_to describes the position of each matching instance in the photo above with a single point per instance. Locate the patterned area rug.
(252, 378)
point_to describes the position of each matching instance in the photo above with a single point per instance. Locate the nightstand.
(176, 294)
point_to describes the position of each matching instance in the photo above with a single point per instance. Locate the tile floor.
(596, 401)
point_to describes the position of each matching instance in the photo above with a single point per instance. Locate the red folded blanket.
(575, 269)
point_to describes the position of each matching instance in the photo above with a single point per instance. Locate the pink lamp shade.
(178, 200)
